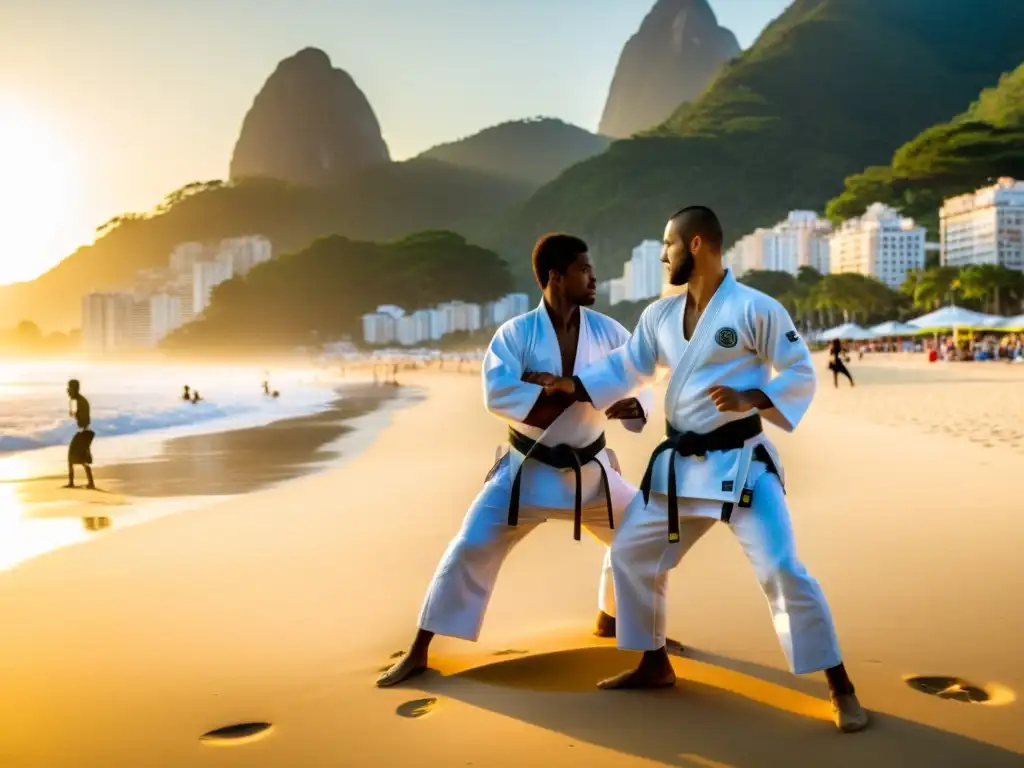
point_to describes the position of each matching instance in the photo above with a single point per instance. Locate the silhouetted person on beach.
(836, 365)
(187, 395)
(80, 449)
(195, 397)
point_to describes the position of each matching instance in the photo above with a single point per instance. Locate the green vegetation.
(829, 88)
(320, 294)
(379, 204)
(528, 151)
(970, 151)
(823, 301)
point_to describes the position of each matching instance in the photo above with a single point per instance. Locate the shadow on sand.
(722, 712)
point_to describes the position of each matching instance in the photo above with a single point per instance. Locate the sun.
(38, 192)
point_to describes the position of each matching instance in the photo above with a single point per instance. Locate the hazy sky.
(107, 105)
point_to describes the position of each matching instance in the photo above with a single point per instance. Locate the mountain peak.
(671, 58)
(310, 124)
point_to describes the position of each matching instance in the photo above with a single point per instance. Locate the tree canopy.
(321, 293)
(970, 151)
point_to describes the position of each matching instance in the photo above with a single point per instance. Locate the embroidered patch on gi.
(726, 486)
(791, 335)
(726, 337)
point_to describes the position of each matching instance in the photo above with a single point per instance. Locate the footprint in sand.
(238, 733)
(416, 708)
(510, 652)
(397, 655)
(958, 689)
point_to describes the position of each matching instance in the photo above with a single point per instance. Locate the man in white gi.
(720, 339)
(556, 466)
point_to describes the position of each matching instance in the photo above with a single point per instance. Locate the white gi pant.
(464, 580)
(642, 557)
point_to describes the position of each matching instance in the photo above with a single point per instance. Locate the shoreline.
(191, 472)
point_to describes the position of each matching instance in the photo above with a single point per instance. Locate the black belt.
(728, 437)
(560, 457)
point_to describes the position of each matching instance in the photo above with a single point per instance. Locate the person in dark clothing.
(836, 364)
(80, 449)
(187, 395)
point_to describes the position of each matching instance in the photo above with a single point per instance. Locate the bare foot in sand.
(406, 669)
(605, 625)
(412, 664)
(655, 671)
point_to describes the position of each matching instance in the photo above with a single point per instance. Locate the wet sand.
(282, 606)
(190, 471)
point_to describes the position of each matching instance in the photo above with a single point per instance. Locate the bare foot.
(410, 666)
(655, 671)
(605, 625)
(69, 485)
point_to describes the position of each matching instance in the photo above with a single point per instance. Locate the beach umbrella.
(848, 332)
(1007, 323)
(953, 317)
(1015, 323)
(894, 328)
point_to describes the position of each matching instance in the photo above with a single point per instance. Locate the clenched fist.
(625, 409)
(729, 399)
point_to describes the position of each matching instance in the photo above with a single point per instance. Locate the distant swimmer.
(80, 449)
(836, 365)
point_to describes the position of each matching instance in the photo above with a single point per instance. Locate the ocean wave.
(123, 424)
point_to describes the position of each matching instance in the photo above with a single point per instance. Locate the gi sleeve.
(645, 395)
(628, 368)
(777, 342)
(506, 395)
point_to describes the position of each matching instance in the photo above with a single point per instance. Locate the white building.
(511, 305)
(165, 311)
(644, 272)
(207, 275)
(421, 325)
(241, 254)
(985, 226)
(405, 331)
(618, 291)
(881, 244)
(461, 316)
(438, 324)
(187, 255)
(107, 322)
(391, 323)
(140, 325)
(379, 328)
(802, 240)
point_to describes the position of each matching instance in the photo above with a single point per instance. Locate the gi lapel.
(697, 348)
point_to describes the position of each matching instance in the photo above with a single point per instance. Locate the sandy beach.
(283, 605)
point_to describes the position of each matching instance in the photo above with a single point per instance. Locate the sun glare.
(37, 192)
